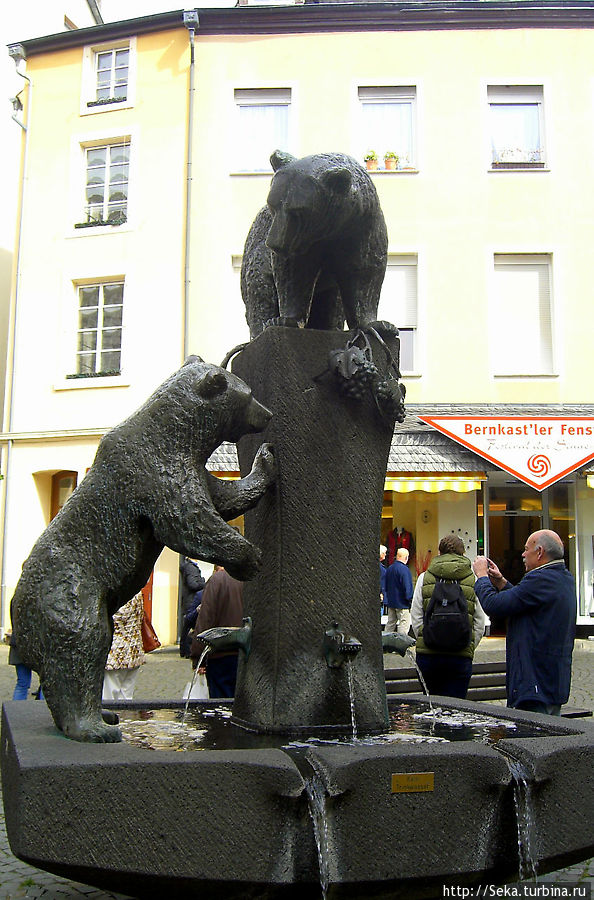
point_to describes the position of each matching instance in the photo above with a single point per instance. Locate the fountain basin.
(236, 823)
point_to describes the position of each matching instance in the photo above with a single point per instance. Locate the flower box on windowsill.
(108, 373)
(120, 220)
(107, 101)
(518, 165)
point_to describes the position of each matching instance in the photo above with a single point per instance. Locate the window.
(521, 327)
(263, 125)
(63, 484)
(99, 337)
(111, 75)
(517, 127)
(106, 191)
(398, 304)
(108, 76)
(388, 123)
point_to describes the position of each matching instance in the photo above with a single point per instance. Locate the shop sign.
(538, 450)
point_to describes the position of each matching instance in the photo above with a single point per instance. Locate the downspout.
(17, 52)
(191, 23)
(95, 12)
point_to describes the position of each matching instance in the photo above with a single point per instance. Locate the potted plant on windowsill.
(371, 160)
(391, 160)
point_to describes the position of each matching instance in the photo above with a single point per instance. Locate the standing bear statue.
(316, 254)
(148, 488)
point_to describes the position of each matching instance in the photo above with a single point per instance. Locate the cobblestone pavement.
(164, 677)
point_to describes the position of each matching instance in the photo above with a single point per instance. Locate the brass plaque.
(412, 782)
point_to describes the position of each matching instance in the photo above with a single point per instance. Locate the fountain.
(277, 815)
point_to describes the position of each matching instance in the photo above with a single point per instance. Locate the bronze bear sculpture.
(148, 488)
(316, 254)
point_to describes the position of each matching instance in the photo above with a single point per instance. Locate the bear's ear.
(193, 359)
(212, 384)
(279, 159)
(337, 180)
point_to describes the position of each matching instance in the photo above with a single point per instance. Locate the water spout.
(339, 646)
(394, 642)
(229, 638)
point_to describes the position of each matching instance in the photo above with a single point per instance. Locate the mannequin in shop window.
(397, 539)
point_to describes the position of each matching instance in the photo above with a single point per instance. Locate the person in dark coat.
(398, 593)
(383, 569)
(541, 612)
(222, 605)
(191, 581)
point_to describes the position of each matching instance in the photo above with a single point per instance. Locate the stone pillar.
(319, 530)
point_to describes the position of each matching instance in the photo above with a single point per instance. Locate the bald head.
(542, 547)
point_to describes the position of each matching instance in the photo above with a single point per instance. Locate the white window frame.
(271, 96)
(406, 95)
(521, 316)
(101, 284)
(406, 321)
(78, 220)
(509, 158)
(88, 100)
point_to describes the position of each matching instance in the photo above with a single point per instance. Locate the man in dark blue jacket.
(398, 594)
(541, 613)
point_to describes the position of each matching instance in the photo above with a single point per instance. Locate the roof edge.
(413, 15)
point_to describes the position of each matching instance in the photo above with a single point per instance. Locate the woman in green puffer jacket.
(447, 672)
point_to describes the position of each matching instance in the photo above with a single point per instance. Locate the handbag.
(150, 641)
(197, 689)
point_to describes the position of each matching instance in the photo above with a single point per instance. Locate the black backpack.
(446, 625)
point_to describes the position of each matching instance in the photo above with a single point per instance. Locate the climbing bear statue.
(148, 488)
(316, 254)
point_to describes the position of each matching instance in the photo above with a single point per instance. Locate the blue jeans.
(221, 675)
(23, 682)
(549, 709)
(446, 675)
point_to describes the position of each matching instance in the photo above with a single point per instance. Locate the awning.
(433, 484)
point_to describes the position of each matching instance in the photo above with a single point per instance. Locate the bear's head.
(228, 406)
(308, 199)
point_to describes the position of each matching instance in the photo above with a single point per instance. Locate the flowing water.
(420, 676)
(528, 860)
(349, 665)
(200, 661)
(316, 799)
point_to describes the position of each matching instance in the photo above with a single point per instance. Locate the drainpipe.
(191, 23)
(17, 53)
(95, 12)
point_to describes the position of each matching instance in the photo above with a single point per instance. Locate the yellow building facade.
(145, 161)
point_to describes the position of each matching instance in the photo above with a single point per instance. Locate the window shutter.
(521, 316)
(398, 300)
(263, 123)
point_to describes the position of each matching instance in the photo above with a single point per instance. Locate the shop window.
(263, 125)
(63, 484)
(387, 124)
(99, 333)
(398, 304)
(521, 330)
(517, 126)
